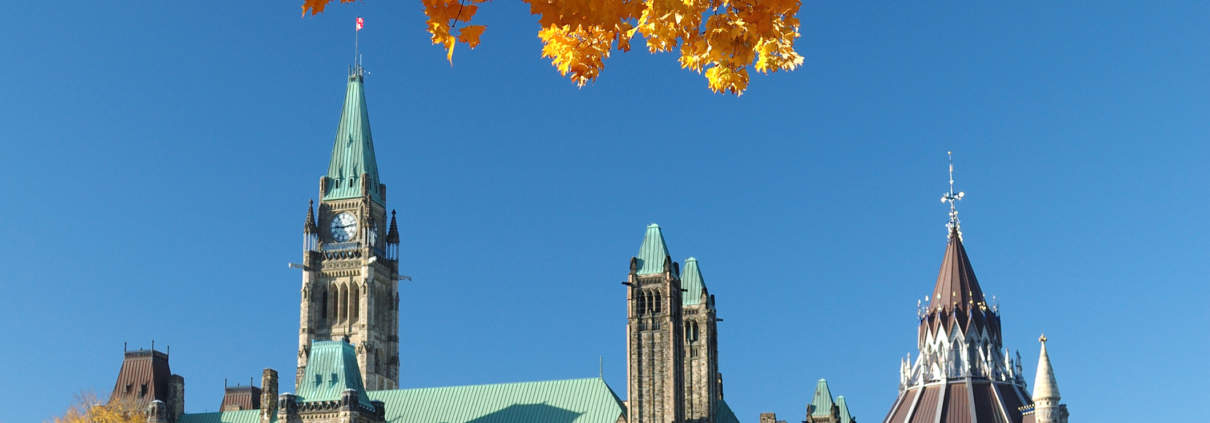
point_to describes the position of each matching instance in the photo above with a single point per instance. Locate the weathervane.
(952, 198)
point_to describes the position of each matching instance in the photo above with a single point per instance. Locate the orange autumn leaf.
(470, 35)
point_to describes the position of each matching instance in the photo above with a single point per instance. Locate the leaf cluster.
(720, 38)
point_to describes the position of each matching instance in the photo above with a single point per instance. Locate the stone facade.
(770, 418)
(655, 349)
(703, 384)
(345, 410)
(350, 291)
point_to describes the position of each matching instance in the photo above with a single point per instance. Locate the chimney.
(268, 402)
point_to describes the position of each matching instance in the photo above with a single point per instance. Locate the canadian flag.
(361, 23)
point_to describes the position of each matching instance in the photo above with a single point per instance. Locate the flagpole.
(356, 34)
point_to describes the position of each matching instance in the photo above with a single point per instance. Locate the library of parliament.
(348, 338)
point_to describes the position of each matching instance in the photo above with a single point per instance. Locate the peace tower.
(350, 256)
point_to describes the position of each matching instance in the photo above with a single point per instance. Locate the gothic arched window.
(641, 303)
(354, 302)
(323, 306)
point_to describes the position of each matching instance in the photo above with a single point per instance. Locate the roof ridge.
(496, 384)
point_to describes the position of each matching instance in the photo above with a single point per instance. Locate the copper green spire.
(653, 252)
(821, 405)
(692, 283)
(845, 415)
(353, 149)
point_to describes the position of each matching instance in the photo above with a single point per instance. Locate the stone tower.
(703, 387)
(350, 259)
(823, 410)
(1047, 407)
(654, 332)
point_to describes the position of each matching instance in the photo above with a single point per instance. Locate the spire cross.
(952, 197)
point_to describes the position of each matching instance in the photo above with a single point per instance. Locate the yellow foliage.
(721, 38)
(88, 410)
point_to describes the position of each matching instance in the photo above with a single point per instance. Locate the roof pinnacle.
(952, 198)
(1045, 386)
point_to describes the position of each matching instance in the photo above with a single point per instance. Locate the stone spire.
(353, 165)
(1046, 407)
(393, 231)
(309, 225)
(1045, 386)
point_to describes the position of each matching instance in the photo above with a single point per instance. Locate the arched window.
(658, 302)
(342, 305)
(354, 303)
(641, 303)
(323, 306)
(332, 304)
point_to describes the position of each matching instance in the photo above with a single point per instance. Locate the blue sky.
(159, 161)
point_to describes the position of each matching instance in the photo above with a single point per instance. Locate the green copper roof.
(845, 417)
(653, 251)
(353, 149)
(822, 400)
(691, 282)
(242, 416)
(331, 369)
(554, 401)
(724, 413)
(587, 400)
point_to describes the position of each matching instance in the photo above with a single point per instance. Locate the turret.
(1047, 407)
(655, 337)
(393, 239)
(310, 230)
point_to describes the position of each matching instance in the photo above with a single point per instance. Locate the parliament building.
(348, 338)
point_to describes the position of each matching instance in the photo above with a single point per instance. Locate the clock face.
(344, 227)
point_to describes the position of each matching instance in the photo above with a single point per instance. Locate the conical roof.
(822, 400)
(653, 252)
(845, 415)
(353, 148)
(309, 224)
(1045, 386)
(692, 283)
(956, 288)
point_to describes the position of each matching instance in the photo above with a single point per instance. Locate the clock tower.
(350, 254)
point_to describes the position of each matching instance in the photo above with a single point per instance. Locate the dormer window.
(143, 390)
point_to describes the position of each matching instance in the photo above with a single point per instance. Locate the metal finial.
(952, 198)
(1042, 338)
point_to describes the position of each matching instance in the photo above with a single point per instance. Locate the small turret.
(1046, 407)
(310, 230)
(393, 239)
